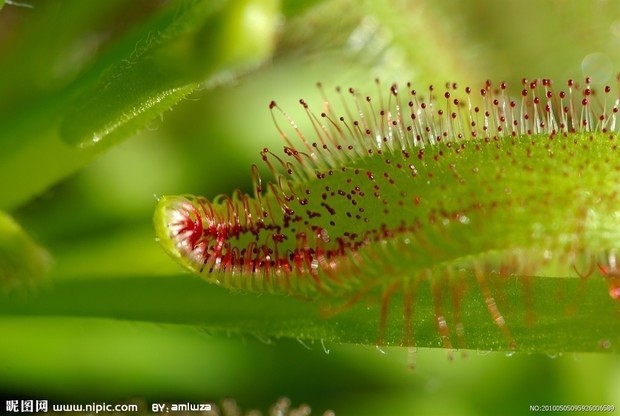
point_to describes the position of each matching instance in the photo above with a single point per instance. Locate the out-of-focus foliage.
(65, 67)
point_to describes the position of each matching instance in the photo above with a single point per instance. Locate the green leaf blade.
(551, 324)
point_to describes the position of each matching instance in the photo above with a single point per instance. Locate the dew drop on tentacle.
(411, 358)
(441, 319)
(610, 270)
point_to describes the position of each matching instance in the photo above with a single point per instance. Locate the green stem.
(567, 314)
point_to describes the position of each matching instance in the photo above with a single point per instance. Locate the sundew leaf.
(144, 74)
(409, 198)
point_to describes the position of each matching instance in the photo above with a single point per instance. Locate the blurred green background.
(91, 208)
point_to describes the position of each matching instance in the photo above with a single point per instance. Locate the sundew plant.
(369, 209)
